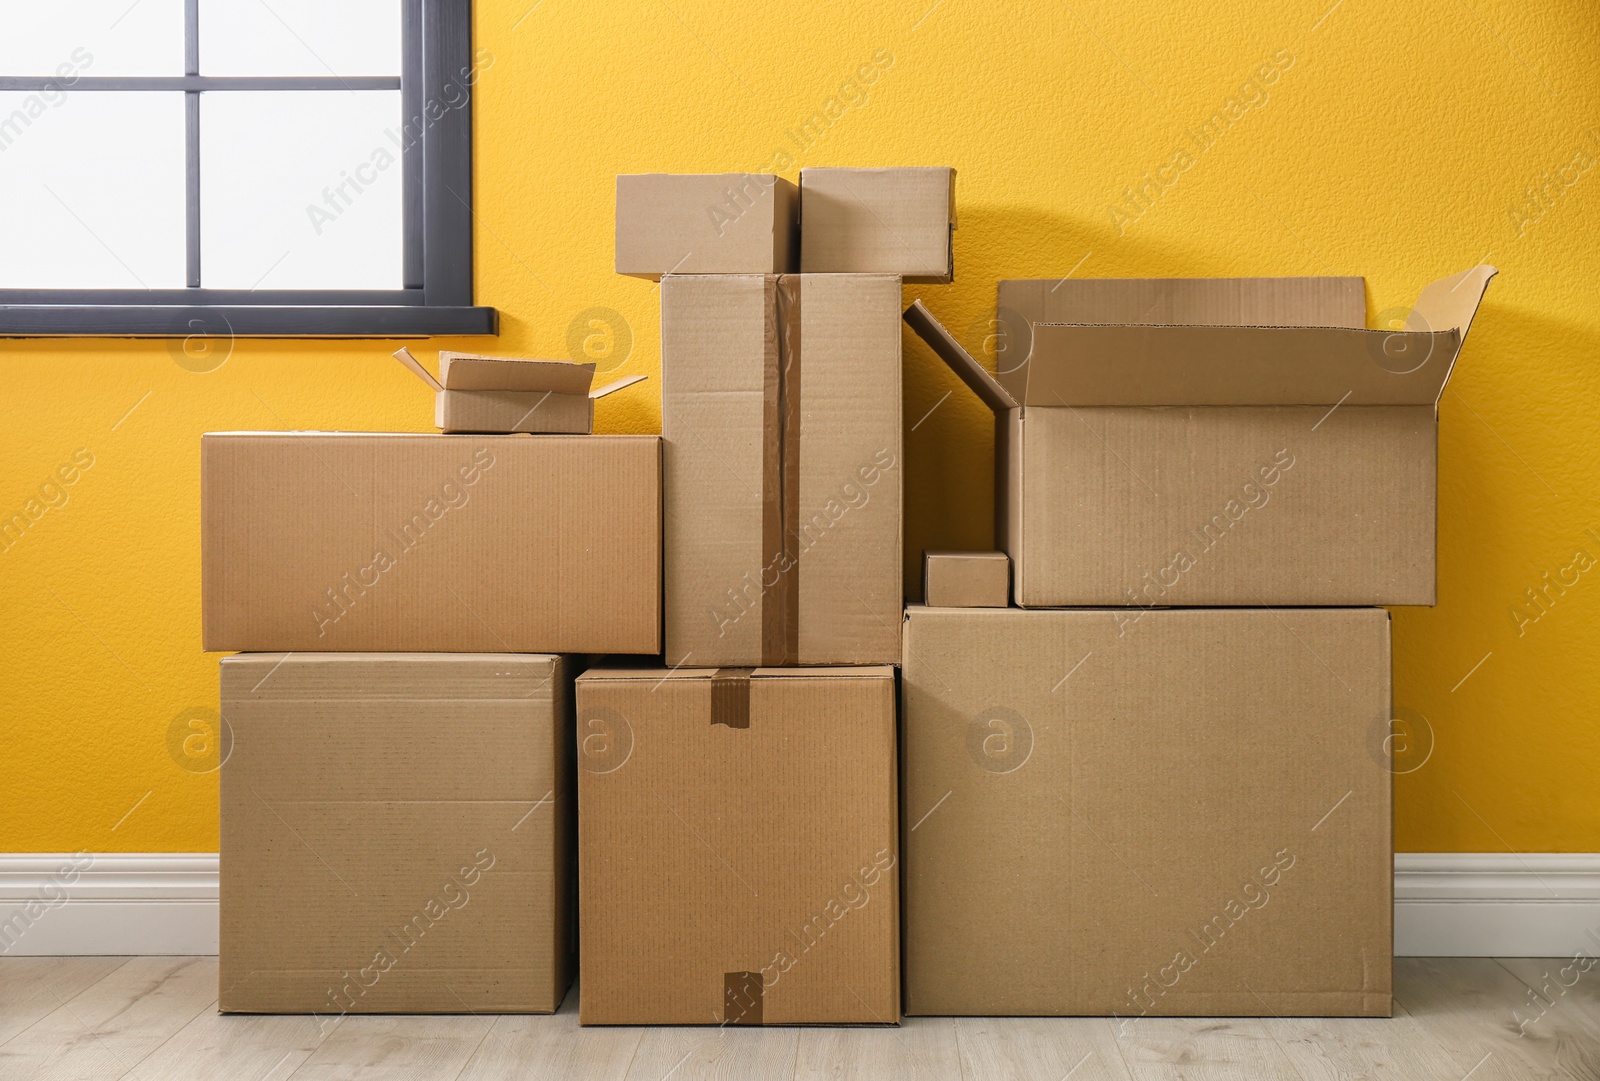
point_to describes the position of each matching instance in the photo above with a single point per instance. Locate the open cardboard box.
(1211, 462)
(475, 393)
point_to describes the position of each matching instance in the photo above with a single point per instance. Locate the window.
(273, 168)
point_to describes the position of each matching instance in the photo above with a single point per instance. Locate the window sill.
(243, 321)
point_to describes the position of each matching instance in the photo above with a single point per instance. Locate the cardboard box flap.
(472, 371)
(616, 385)
(1258, 302)
(973, 374)
(1209, 365)
(1089, 366)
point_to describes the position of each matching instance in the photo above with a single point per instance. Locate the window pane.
(299, 37)
(93, 186)
(91, 37)
(301, 190)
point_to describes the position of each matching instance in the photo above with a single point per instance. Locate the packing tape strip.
(730, 697)
(786, 612)
(741, 998)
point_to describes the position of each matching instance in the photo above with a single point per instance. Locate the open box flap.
(1153, 365)
(973, 374)
(616, 385)
(471, 371)
(403, 355)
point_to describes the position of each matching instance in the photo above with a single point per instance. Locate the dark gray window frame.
(435, 87)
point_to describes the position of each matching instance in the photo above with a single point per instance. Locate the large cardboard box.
(709, 223)
(1213, 463)
(738, 857)
(879, 221)
(781, 415)
(396, 833)
(456, 543)
(1131, 813)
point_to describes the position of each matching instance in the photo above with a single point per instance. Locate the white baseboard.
(1445, 904)
(89, 903)
(1496, 904)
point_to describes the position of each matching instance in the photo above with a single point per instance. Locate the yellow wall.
(1399, 142)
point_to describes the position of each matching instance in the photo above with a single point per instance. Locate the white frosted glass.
(300, 190)
(300, 37)
(67, 38)
(93, 187)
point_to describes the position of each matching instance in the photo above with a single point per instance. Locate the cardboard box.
(455, 543)
(1132, 813)
(475, 393)
(396, 833)
(1215, 464)
(878, 221)
(781, 415)
(715, 223)
(966, 580)
(737, 847)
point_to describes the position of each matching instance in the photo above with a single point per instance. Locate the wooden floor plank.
(1202, 1049)
(1040, 1049)
(921, 1049)
(153, 1019)
(105, 1029)
(1349, 1048)
(1471, 1005)
(395, 1048)
(213, 1045)
(734, 1053)
(33, 987)
(553, 1048)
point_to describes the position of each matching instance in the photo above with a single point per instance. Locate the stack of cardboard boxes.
(1159, 785)
(737, 814)
(1140, 759)
(397, 793)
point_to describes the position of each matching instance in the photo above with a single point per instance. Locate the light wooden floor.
(155, 1019)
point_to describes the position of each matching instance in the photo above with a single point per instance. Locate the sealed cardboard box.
(475, 393)
(878, 221)
(1132, 813)
(396, 833)
(1217, 464)
(372, 541)
(966, 580)
(781, 416)
(737, 847)
(712, 223)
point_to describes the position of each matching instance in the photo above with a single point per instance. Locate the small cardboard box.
(396, 833)
(781, 415)
(737, 847)
(1132, 813)
(713, 223)
(878, 221)
(966, 580)
(1211, 463)
(454, 543)
(475, 393)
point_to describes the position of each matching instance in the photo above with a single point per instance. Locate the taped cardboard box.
(475, 393)
(878, 221)
(711, 223)
(966, 580)
(456, 543)
(397, 833)
(1132, 813)
(781, 415)
(1217, 464)
(737, 847)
